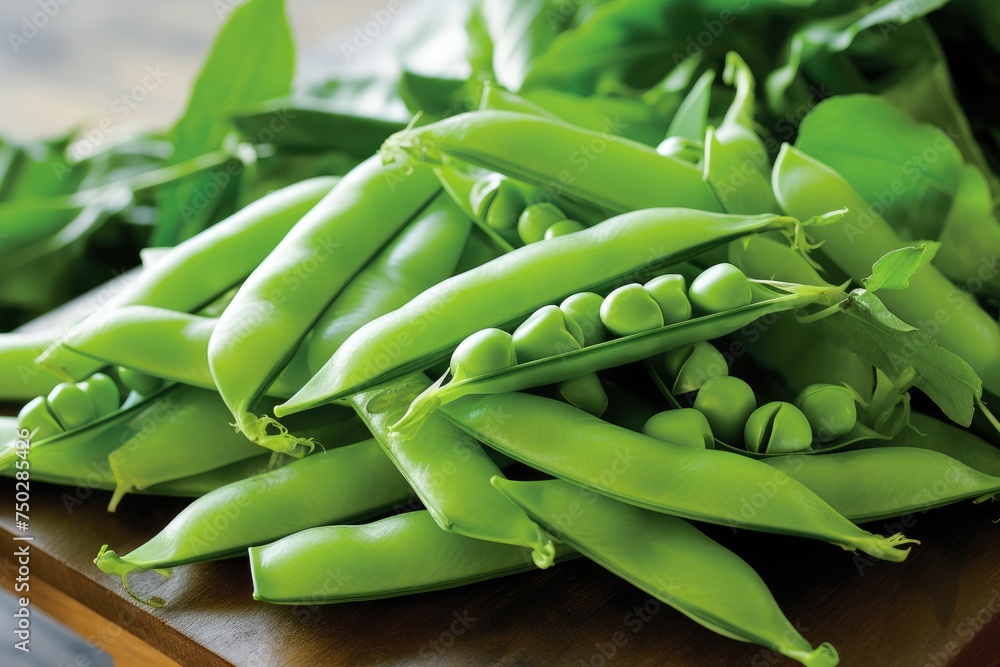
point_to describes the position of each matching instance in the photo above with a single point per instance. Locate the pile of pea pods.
(648, 332)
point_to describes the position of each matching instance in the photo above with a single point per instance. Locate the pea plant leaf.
(244, 67)
(907, 355)
(894, 269)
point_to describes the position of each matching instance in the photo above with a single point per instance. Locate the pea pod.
(507, 142)
(572, 445)
(196, 272)
(425, 253)
(674, 562)
(874, 484)
(803, 184)
(183, 433)
(295, 284)
(400, 555)
(618, 351)
(339, 485)
(23, 380)
(448, 471)
(511, 287)
(124, 337)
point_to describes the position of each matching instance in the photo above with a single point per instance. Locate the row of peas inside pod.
(726, 408)
(587, 318)
(69, 406)
(503, 206)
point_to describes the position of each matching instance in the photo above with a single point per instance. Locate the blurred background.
(89, 53)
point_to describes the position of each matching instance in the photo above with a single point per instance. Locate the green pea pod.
(290, 290)
(199, 270)
(570, 444)
(183, 433)
(619, 351)
(874, 484)
(336, 486)
(507, 142)
(425, 253)
(945, 438)
(22, 379)
(448, 470)
(673, 561)
(506, 290)
(400, 555)
(125, 337)
(803, 185)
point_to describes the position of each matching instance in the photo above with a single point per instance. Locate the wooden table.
(939, 608)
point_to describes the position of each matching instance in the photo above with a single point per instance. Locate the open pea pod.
(673, 561)
(699, 484)
(22, 380)
(506, 290)
(400, 555)
(894, 421)
(628, 349)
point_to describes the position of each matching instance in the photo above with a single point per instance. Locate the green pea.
(102, 392)
(830, 409)
(585, 309)
(630, 310)
(585, 392)
(71, 406)
(536, 219)
(777, 428)
(727, 403)
(720, 288)
(37, 419)
(138, 382)
(562, 228)
(693, 365)
(685, 426)
(670, 294)
(497, 201)
(548, 332)
(483, 352)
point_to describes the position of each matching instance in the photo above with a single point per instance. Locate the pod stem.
(256, 430)
(111, 563)
(421, 407)
(825, 655)
(887, 548)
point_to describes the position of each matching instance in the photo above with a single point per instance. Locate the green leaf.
(907, 355)
(905, 168)
(253, 60)
(894, 269)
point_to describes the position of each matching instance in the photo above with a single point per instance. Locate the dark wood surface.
(938, 608)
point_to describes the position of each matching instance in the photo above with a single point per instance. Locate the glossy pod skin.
(337, 486)
(448, 470)
(184, 432)
(673, 561)
(22, 379)
(883, 482)
(508, 289)
(194, 273)
(288, 292)
(400, 555)
(639, 470)
(507, 142)
(423, 254)
(125, 337)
